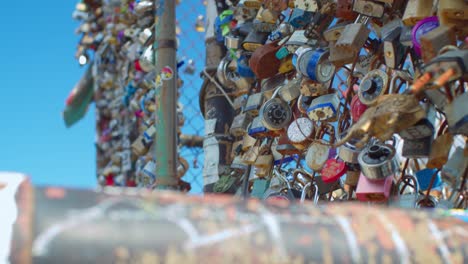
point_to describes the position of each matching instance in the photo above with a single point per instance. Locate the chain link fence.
(190, 31)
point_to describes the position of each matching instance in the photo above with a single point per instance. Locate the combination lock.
(378, 161)
(372, 86)
(275, 114)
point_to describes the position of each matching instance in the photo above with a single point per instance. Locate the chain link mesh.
(190, 31)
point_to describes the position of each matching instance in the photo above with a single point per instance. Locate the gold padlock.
(440, 151)
(435, 40)
(416, 10)
(251, 155)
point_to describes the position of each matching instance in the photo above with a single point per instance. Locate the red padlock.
(333, 170)
(357, 108)
(373, 191)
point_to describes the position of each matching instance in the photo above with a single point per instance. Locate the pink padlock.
(373, 191)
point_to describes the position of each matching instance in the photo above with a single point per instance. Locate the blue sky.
(37, 72)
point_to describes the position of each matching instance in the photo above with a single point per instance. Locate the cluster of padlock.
(347, 100)
(117, 42)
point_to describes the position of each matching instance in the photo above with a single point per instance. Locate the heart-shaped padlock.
(333, 170)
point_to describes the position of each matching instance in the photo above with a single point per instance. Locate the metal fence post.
(165, 151)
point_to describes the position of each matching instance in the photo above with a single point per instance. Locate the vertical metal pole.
(165, 151)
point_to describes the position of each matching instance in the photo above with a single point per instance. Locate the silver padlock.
(407, 200)
(240, 124)
(348, 152)
(422, 129)
(324, 107)
(378, 161)
(300, 132)
(254, 103)
(275, 114)
(417, 148)
(369, 8)
(291, 90)
(373, 85)
(452, 171)
(457, 115)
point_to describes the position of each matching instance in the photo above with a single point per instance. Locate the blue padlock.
(424, 179)
(299, 18)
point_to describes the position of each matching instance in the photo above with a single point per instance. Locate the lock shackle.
(301, 106)
(409, 178)
(306, 187)
(281, 177)
(399, 75)
(296, 172)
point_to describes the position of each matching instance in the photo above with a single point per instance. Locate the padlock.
(297, 39)
(339, 56)
(232, 42)
(270, 85)
(251, 155)
(416, 10)
(264, 161)
(369, 8)
(378, 161)
(455, 62)
(453, 170)
(317, 155)
(457, 115)
(394, 51)
(291, 90)
(253, 4)
(373, 85)
(325, 187)
(257, 129)
(300, 132)
(348, 152)
(254, 40)
(373, 191)
(357, 108)
(319, 67)
(334, 32)
(224, 67)
(454, 13)
(440, 151)
(424, 177)
(417, 148)
(434, 40)
(421, 28)
(240, 124)
(320, 21)
(407, 200)
(264, 62)
(344, 10)
(147, 177)
(275, 114)
(353, 38)
(313, 88)
(299, 18)
(427, 202)
(324, 107)
(284, 29)
(393, 113)
(265, 21)
(285, 146)
(352, 174)
(423, 129)
(333, 170)
(254, 103)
